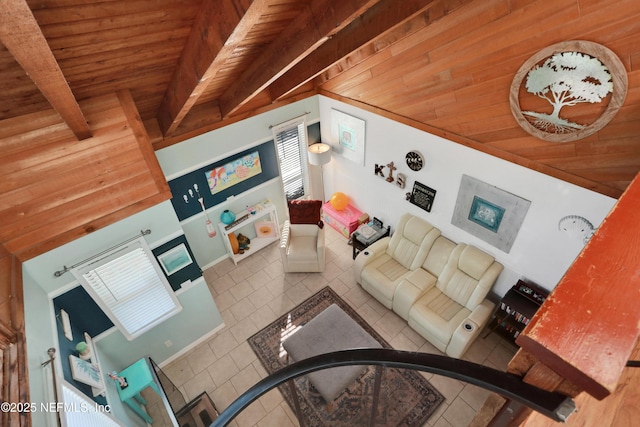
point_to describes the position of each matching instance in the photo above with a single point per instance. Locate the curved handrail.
(554, 405)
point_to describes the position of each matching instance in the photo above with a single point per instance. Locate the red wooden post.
(587, 329)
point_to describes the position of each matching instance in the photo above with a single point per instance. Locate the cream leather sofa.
(389, 260)
(438, 286)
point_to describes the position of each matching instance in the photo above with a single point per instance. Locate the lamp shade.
(319, 154)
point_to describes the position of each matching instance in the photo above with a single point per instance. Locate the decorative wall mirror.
(568, 91)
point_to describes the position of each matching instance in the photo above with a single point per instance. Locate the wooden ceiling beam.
(219, 28)
(318, 22)
(21, 35)
(374, 23)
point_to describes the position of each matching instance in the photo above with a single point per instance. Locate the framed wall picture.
(175, 259)
(348, 136)
(233, 172)
(486, 214)
(85, 372)
(489, 213)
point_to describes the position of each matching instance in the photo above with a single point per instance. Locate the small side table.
(138, 378)
(359, 242)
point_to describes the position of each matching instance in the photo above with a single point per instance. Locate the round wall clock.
(415, 161)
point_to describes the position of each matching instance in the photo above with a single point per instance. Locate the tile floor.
(256, 292)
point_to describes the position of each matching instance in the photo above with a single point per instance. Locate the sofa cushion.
(381, 277)
(474, 262)
(302, 248)
(459, 287)
(437, 316)
(392, 269)
(438, 255)
(411, 241)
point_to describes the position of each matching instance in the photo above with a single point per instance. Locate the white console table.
(267, 213)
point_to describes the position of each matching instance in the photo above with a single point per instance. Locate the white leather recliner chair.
(302, 244)
(451, 314)
(380, 267)
(302, 248)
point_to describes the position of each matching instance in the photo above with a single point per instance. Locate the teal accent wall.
(184, 185)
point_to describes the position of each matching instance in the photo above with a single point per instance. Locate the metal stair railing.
(554, 405)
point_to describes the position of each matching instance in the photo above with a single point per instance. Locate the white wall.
(216, 145)
(540, 252)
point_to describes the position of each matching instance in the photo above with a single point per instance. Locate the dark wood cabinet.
(516, 308)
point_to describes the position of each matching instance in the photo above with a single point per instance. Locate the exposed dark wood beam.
(219, 28)
(374, 23)
(319, 21)
(21, 35)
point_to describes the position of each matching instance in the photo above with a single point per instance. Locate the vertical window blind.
(130, 288)
(291, 143)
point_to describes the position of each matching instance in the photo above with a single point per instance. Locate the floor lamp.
(319, 155)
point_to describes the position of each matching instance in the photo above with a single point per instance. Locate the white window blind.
(130, 288)
(78, 411)
(291, 143)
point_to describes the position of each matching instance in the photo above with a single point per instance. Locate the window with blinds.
(130, 288)
(291, 144)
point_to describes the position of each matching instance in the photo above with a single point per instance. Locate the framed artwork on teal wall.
(175, 259)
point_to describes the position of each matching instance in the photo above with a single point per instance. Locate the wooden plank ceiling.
(88, 88)
(441, 65)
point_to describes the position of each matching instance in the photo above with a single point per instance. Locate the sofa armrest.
(368, 255)
(481, 314)
(320, 246)
(410, 289)
(469, 329)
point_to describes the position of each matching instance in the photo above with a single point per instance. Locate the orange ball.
(339, 201)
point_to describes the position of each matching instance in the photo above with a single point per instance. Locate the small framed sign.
(422, 196)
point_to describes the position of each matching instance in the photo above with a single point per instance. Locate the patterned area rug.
(406, 398)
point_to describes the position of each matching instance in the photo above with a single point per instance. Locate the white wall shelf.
(267, 213)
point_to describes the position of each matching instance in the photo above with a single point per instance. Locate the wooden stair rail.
(14, 386)
(583, 335)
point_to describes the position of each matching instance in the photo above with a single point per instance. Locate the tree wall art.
(568, 91)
